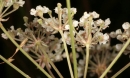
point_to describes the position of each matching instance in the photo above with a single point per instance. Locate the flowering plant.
(91, 54)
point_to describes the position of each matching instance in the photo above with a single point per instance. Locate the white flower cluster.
(39, 9)
(11, 2)
(92, 29)
(6, 4)
(51, 45)
(43, 31)
(11, 32)
(122, 36)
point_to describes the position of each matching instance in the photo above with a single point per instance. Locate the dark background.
(117, 10)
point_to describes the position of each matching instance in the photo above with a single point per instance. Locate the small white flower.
(33, 12)
(83, 18)
(102, 38)
(66, 34)
(74, 10)
(119, 37)
(4, 36)
(64, 55)
(75, 23)
(45, 9)
(113, 35)
(118, 31)
(126, 25)
(56, 10)
(94, 14)
(99, 34)
(82, 21)
(106, 36)
(21, 3)
(67, 37)
(12, 28)
(26, 49)
(35, 20)
(99, 22)
(67, 27)
(107, 22)
(39, 9)
(86, 15)
(118, 47)
(58, 57)
(65, 11)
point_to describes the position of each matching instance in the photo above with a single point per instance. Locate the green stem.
(72, 40)
(9, 13)
(1, 7)
(87, 60)
(52, 64)
(116, 58)
(13, 66)
(67, 54)
(16, 44)
(121, 70)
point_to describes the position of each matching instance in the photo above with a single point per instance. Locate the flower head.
(94, 14)
(39, 10)
(4, 36)
(126, 25)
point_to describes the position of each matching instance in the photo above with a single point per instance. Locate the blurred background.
(117, 10)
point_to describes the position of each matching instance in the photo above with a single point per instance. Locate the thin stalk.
(52, 64)
(96, 32)
(116, 58)
(121, 70)
(25, 53)
(5, 10)
(72, 40)
(9, 13)
(13, 66)
(67, 55)
(59, 15)
(1, 7)
(48, 69)
(87, 60)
